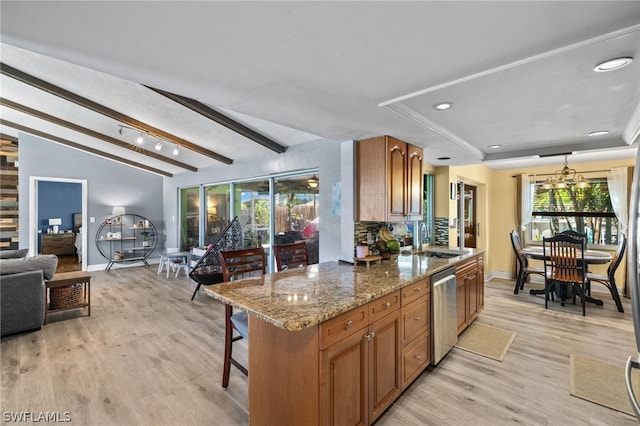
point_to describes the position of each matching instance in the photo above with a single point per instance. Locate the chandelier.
(565, 177)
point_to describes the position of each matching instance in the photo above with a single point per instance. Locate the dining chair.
(290, 256)
(609, 280)
(523, 269)
(236, 264)
(575, 234)
(564, 265)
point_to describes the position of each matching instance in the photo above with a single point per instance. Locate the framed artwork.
(107, 221)
(140, 224)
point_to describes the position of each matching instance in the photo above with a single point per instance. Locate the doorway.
(71, 226)
(470, 215)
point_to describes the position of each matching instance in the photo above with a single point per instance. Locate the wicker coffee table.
(68, 290)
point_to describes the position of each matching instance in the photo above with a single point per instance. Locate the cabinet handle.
(387, 305)
(348, 324)
(418, 357)
(417, 289)
(417, 318)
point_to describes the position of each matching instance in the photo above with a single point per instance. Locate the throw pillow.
(47, 263)
(13, 254)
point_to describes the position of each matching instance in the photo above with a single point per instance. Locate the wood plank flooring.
(150, 356)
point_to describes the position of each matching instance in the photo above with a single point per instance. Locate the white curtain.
(617, 181)
(526, 201)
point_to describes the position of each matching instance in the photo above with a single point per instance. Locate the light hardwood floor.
(150, 356)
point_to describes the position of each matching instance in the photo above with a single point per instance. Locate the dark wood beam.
(222, 119)
(101, 109)
(82, 147)
(69, 125)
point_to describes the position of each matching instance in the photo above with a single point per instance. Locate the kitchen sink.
(438, 254)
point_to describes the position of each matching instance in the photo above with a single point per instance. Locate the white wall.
(108, 184)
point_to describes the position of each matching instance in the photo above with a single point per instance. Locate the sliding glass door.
(189, 218)
(217, 211)
(297, 212)
(253, 208)
(271, 210)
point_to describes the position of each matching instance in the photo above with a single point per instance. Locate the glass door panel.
(189, 218)
(470, 216)
(253, 208)
(217, 211)
(297, 212)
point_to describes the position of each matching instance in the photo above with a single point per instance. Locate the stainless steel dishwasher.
(444, 313)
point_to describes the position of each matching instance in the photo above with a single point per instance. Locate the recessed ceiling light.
(598, 133)
(443, 106)
(443, 158)
(495, 146)
(613, 64)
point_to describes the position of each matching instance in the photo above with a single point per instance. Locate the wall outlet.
(92, 220)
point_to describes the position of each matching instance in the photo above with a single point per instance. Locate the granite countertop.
(304, 297)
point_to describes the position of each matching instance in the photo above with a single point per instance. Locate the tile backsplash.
(441, 225)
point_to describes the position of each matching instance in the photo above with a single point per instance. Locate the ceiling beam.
(80, 147)
(106, 138)
(106, 111)
(222, 119)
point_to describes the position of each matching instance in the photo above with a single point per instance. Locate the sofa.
(22, 289)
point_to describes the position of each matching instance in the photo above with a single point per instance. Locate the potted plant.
(146, 238)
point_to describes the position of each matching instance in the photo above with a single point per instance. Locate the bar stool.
(238, 264)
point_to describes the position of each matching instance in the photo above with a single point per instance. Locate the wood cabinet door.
(415, 182)
(471, 282)
(480, 283)
(397, 178)
(385, 382)
(343, 382)
(461, 298)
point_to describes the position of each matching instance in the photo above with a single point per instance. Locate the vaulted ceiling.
(276, 74)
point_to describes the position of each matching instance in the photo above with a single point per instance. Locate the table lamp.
(55, 222)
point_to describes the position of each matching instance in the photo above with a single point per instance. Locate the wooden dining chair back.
(564, 263)
(290, 256)
(523, 268)
(575, 234)
(609, 280)
(238, 264)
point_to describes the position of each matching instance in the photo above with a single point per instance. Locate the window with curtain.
(587, 211)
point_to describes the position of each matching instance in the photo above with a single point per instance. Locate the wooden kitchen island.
(335, 343)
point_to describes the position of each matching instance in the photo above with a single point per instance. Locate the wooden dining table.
(590, 257)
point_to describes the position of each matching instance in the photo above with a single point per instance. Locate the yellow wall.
(496, 206)
(502, 220)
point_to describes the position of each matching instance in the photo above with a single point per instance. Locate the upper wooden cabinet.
(389, 180)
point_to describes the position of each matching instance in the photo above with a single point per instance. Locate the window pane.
(587, 210)
(593, 199)
(189, 218)
(217, 209)
(254, 208)
(297, 213)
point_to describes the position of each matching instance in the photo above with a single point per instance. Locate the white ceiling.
(520, 74)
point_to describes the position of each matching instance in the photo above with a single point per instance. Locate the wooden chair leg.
(228, 342)
(518, 278)
(546, 294)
